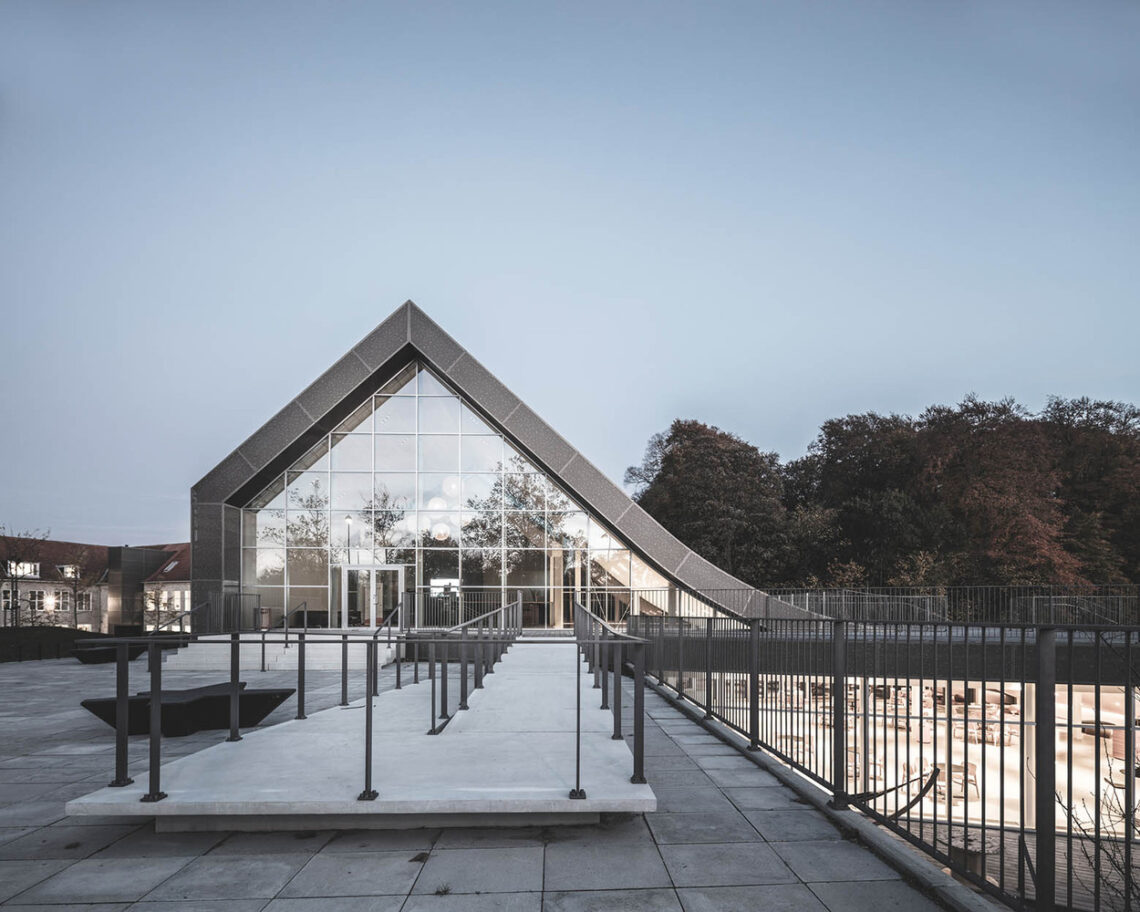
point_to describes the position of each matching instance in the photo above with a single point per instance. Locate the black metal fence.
(1008, 752)
(1095, 605)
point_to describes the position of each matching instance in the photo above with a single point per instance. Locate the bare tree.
(20, 552)
(81, 573)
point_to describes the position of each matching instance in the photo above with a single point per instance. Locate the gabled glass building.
(407, 478)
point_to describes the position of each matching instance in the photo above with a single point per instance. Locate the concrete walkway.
(512, 752)
(725, 837)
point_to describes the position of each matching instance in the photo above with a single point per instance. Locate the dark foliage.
(980, 492)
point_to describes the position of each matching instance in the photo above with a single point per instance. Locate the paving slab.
(467, 902)
(342, 904)
(499, 870)
(828, 860)
(391, 873)
(800, 825)
(230, 877)
(611, 900)
(489, 837)
(144, 842)
(764, 898)
(692, 800)
(586, 866)
(874, 896)
(274, 843)
(359, 841)
(64, 841)
(715, 827)
(103, 880)
(725, 865)
(17, 876)
(763, 798)
(194, 905)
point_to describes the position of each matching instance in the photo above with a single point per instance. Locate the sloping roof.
(52, 554)
(177, 568)
(407, 334)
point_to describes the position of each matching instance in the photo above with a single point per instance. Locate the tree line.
(976, 493)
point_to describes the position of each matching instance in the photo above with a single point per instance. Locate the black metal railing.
(466, 653)
(1094, 605)
(1008, 752)
(607, 651)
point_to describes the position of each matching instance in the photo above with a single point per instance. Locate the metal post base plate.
(577, 794)
(368, 795)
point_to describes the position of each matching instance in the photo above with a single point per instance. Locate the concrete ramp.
(509, 759)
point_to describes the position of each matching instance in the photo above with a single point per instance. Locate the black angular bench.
(192, 710)
(102, 655)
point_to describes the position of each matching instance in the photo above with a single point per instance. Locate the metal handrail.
(184, 614)
(516, 604)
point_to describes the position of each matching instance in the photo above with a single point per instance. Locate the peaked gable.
(406, 335)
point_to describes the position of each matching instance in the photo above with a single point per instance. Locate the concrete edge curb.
(915, 867)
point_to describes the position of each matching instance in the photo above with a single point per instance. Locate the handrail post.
(369, 793)
(1046, 772)
(463, 668)
(661, 651)
(235, 691)
(478, 657)
(443, 714)
(577, 793)
(615, 658)
(754, 686)
(263, 651)
(492, 643)
(680, 657)
(638, 777)
(602, 669)
(416, 662)
(375, 664)
(344, 669)
(431, 676)
(301, 675)
(154, 660)
(399, 648)
(839, 715)
(708, 667)
(122, 715)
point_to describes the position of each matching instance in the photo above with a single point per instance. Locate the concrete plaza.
(726, 835)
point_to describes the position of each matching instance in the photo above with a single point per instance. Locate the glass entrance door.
(389, 591)
(358, 597)
(367, 595)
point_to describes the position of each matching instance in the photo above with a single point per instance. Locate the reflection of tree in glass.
(309, 518)
(535, 511)
(308, 529)
(385, 512)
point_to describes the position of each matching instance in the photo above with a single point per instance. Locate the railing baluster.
(301, 675)
(369, 793)
(154, 659)
(463, 668)
(344, 669)
(615, 658)
(1045, 710)
(235, 686)
(638, 777)
(122, 714)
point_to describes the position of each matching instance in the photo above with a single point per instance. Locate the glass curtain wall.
(414, 478)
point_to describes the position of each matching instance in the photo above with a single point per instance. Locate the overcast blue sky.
(758, 215)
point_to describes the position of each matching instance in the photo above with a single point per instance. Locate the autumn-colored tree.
(718, 494)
